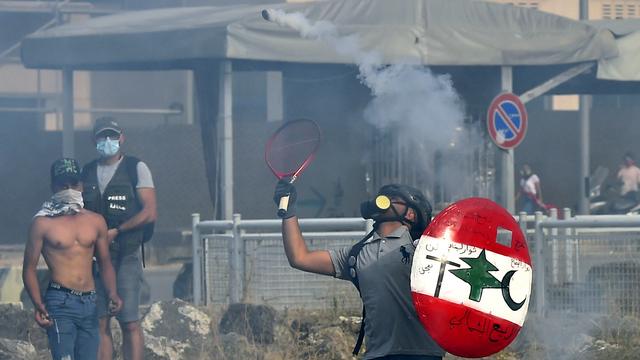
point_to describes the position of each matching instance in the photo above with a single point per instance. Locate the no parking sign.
(507, 120)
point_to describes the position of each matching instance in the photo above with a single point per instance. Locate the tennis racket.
(290, 150)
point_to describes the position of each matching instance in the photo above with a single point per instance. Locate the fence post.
(206, 272)
(555, 252)
(235, 262)
(522, 221)
(570, 242)
(197, 261)
(539, 265)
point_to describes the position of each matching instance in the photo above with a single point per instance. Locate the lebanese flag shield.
(471, 278)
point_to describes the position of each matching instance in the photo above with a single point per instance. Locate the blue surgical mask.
(108, 147)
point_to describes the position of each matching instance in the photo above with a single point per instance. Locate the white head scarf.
(65, 202)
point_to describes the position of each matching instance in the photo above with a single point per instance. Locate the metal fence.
(587, 264)
(590, 264)
(244, 260)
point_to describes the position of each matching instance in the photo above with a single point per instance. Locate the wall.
(173, 153)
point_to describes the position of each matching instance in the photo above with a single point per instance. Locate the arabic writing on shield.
(459, 248)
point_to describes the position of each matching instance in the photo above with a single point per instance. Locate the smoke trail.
(422, 109)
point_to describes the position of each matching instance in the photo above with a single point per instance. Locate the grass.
(328, 335)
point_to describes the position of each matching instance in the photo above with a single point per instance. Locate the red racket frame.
(293, 174)
(284, 201)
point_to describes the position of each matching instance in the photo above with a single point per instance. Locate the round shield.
(471, 278)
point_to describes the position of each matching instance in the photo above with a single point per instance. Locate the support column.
(226, 117)
(583, 180)
(189, 98)
(585, 123)
(68, 141)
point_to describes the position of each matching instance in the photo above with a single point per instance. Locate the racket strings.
(310, 144)
(292, 146)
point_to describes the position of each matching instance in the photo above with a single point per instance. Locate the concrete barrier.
(10, 284)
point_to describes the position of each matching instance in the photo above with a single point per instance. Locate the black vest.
(117, 204)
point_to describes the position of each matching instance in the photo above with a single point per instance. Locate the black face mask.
(375, 209)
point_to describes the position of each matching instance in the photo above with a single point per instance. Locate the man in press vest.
(120, 187)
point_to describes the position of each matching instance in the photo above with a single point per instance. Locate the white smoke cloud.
(420, 107)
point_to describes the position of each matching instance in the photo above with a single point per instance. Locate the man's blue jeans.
(529, 206)
(74, 332)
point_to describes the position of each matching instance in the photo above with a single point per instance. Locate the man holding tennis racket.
(379, 266)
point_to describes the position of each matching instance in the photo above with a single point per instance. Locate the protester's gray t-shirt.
(106, 172)
(384, 272)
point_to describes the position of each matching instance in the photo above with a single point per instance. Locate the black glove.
(284, 188)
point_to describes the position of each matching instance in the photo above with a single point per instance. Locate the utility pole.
(584, 129)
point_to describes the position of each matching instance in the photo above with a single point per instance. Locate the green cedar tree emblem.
(478, 275)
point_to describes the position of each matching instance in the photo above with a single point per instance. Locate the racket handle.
(283, 206)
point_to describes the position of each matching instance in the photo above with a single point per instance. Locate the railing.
(588, 263)
(243, 260)
(581, 263)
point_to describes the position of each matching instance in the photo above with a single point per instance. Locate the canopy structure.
(535, 52)
(431, 32)
(625, 66)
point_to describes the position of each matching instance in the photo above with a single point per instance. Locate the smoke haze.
(420, 108)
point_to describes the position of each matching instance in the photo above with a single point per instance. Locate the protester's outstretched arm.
(29, 272)
(107, 273)
(299, 256)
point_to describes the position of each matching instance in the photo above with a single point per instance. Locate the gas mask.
(376, 209)
(373, 209)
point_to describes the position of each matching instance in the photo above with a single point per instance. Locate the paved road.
(160, 280)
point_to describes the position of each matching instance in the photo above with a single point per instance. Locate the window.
(606, 11)
(565, 103)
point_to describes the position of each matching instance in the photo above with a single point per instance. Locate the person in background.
(121, 189)
(68, 236)
(530, 191)
(629, 176)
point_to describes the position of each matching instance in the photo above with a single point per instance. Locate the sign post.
(507, 125)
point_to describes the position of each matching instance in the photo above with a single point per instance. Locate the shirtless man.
(68, 236)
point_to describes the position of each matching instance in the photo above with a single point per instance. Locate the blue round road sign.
(507, 120)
